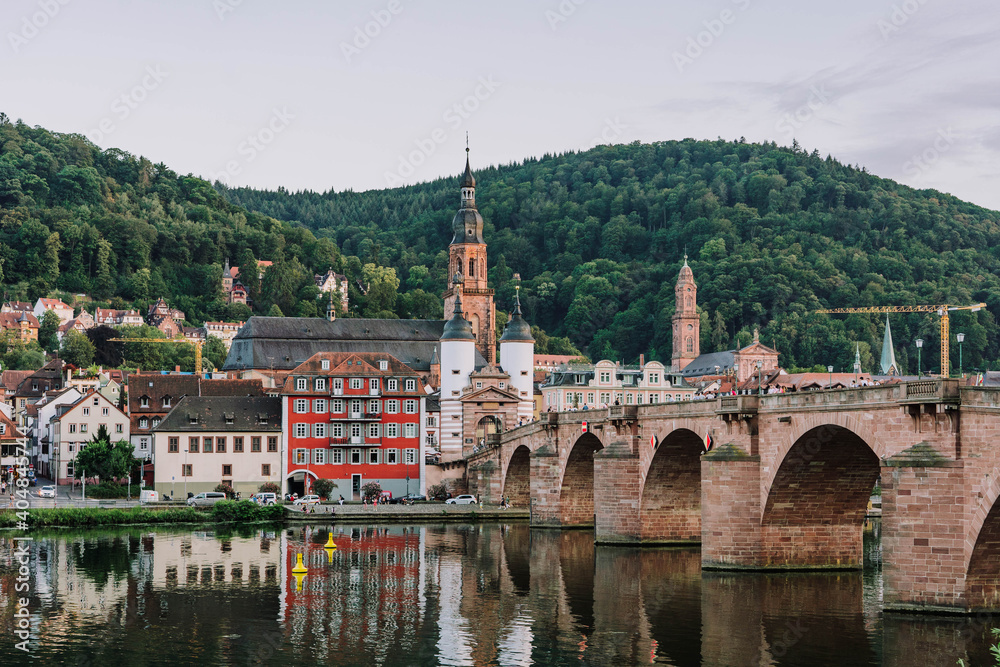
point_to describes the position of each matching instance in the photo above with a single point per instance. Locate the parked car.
(47, 492)
(206, 498)
(464, 499)
(412, 498)
(265, 498)
(308, 500)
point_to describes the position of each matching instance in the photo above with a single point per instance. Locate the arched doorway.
(488, 425)
(296, 482)
(517, 482)
(576, 494)
(671, 496)
(815, 509)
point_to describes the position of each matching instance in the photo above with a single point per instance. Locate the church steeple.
(467, 257)
(686, 322)
(889, 365)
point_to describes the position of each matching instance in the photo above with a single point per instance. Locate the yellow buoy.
(330, 543)
(329, 555)
(298, 580)
(299, 567)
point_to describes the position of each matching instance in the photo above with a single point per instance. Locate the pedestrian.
(341, 500)
(375, 503)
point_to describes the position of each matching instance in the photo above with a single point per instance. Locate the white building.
(40, 425)
(75, 425)
(64, 311)
(208, 440)
(602, 384)
(225, 331)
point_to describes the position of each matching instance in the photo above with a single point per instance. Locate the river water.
(451, 594)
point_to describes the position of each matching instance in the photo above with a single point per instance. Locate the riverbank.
(417, 513)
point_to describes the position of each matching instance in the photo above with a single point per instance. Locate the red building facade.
(354, 418)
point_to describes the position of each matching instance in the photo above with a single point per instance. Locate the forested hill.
(773, 233)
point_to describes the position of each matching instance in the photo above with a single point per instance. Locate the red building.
(354, 418)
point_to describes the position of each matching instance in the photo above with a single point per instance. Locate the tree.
(106, 353)
(104, 460)
(47, 330)
(214, 352)
(324, 487)
(275, 311)
(77, 349)
(371, 490)
(143, 355)
(381, 285)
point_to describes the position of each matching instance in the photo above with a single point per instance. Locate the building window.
(143, 423)
(337, 456)
(392, 406)
(302, 430)
(83, 428)
(409, 456)
(265, 469)
(431, 421)
(144, 402)
(392, 385)
(119, 428)
(392, 430)
(355, 430)
(411, 385)
(383, 365)
(320, 384)
(104, 412)
(193, 445)
(373, 456)
(238, 444)
(173, 445)
(206, 446)
(628, 398)
(166, 401)
(319, 430)
(300, 456)
(72, 428)
(186, 469)
(272, 443)
(301, 384)
(654, 378)
(325, 364)
(373, 406)
(255, 444)
(392, 456)
(301, 405)
(590, 397)
(373, 385)
(337, 406)
(336, 430)
(320, 405)
(338, 385)
(355, 456)
(319, 457)
(220, 445)
(356, 383)
(156, 422)
(409, 430)
(227, 470)
(373, 430)
(479, 385)
(411, 407)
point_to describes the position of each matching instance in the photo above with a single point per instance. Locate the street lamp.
(760, 389)
(829, 369)
(960, 338)
(920, 344)
(736, 375)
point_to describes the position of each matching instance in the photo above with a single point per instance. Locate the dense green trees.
(771, 233)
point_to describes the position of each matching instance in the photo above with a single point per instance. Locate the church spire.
(889, 365)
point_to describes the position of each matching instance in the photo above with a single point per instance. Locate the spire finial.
(517, 293)
(466, 141)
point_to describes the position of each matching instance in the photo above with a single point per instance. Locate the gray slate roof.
(282, 343)
(211, 413)
(705, 364)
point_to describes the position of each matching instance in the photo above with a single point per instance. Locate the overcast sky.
(314, 94)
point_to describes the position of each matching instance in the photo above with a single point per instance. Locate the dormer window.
(320, 384)
(325, 364)
(166, 401)
(143, 423)
(144, 401)
(301, 384)
(411, 385)
(383, 365)
(392, 385)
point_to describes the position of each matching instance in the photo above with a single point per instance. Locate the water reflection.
(448, 595)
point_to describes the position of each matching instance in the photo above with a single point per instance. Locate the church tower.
(467, 258)
(687, 324)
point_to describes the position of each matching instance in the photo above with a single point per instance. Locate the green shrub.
(371, 490)
(324, 487)
(105, 490)
(246, 511)
(94, 516)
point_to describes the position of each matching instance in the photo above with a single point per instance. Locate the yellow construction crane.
(941, 309)
(197, 346)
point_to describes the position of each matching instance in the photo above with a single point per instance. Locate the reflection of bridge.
(787, 484)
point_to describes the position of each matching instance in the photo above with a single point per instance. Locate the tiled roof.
(156, 386)
(345, 364)
(13, 320)
(224, 414)
(11, 379)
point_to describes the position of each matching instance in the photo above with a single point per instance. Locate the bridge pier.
(923, 531)
(617, 495)
(730, 509)
(545, 486)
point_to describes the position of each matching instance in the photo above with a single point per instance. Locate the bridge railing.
(938, 389)
(738, 404)
(623, 411)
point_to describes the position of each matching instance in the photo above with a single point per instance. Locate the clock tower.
(687, 324)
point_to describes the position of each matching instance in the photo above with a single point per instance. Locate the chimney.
(177, 369)
(642, 360)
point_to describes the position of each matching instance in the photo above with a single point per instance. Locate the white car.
(307, 500)
(47, 492)
(464, 499)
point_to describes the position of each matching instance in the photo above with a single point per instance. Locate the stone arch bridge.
(786, 485)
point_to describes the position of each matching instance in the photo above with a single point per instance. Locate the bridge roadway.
(785, 486)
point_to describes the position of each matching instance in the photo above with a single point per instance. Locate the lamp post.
(920, 344)
(184, 473)
(736, 375)
(760, 389)
(960, 338)
(829, 369)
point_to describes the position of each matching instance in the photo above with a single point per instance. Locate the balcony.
(743, 404)
(337, 391)
(356, 441)
(356, 416)
(623, 412)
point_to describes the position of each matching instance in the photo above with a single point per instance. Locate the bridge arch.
(814, 508)
(517, 479)
(670, 506)
(576, 492)
(982, 546)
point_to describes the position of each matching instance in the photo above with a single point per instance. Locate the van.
(149, 496)
(265, 498)
(206, 498)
